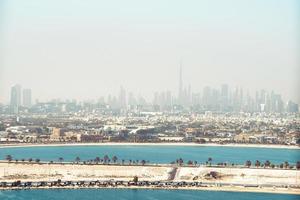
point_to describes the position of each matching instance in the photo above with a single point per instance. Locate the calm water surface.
(156, 154)
(128, 194)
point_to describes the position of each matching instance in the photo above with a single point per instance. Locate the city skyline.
(85, 55)
(139, 99)
(224, 99)
(185, 96)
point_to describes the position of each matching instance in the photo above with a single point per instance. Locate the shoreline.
(271, 146)
(21, 176)
(208, 188)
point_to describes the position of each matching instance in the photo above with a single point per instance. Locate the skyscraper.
(27, 98)
(122, 98)
(180, 91)
(15, 98)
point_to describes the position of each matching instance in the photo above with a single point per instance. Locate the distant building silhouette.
(15, 98)
(27, 98)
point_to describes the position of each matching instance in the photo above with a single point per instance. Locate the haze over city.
(84, 50)
(149, 99)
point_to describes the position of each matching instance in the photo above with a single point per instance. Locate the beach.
(226, 178)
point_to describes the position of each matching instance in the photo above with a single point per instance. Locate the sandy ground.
(74, 172)
(52, 172)
(39, 172)
(240, 175)
(155, 144)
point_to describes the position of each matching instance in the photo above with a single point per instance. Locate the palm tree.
(180, 161)
(286, 164)
(267, 163)
(272, 166)
(30, 159)
(105, 158)
(257, 163)
(60, 159)
(298, 165)
(209, 160)
(248, 163)
(190, 162)
(97, 159)
(8, 158)
(143, 162)
(37, 160)
(123, 161)
(114, 159)
(281, 166)
(77, 159)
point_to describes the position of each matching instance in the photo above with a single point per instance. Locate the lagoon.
(155, 154)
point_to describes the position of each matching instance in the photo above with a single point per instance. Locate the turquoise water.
(156, 154)
(123, 194)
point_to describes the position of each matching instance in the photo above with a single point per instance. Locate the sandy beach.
(153, 144)
(270, 180)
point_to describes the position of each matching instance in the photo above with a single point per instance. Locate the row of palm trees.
(257, 163)
(105, 160)
(179, 161)
(10, 158)
(268, 164)
(248, 163)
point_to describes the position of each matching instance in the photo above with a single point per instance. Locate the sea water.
(137, 194)
(155, 154)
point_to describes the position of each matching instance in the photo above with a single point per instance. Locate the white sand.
(39, 172)
(242, 175)
(74, 172)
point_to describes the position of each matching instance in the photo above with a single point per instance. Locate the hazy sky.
(88, 48)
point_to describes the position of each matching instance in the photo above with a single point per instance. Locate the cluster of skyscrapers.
(19, 97)
(222, 99)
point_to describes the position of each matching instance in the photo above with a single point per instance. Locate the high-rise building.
(131, 99)
(15, 98)
(122, 98)
(224, 97)
(292, 107)
(206, 99)
(180, 91)
(27, 98)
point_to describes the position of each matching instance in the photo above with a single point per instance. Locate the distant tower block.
(180, 85)
(262, 107)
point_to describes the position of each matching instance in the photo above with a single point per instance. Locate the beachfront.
(73, 175)
(152, 144)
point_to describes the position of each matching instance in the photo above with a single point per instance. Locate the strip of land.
(152, 144)
(72, 175)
